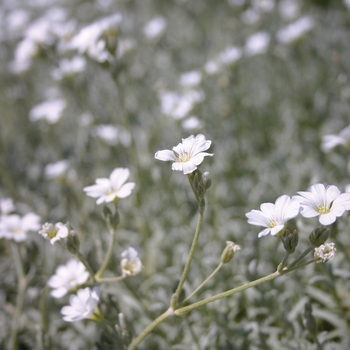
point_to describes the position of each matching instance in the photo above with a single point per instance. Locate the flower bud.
(324, 252)
(106, 213)
(290, 241)
(319, 235)
(229, 252)
(206, 180)
(72, 242)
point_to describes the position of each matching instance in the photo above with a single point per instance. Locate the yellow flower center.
(182, 158)
(322, 209)
(272, 224)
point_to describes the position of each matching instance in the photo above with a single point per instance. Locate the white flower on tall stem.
(130, 263)
(274, 216)
(112, 189)
(16, 227)
(83, 305)
(54, 232)
(331, 141)
(186, 156)
(326, 202)
(324, 252)
(67, 277)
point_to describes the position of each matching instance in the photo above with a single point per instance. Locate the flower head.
(324, 252)
(274, 216)
(83, 305)
(326, 202)
(186, 156)
(67, 277)
(331, 141)
(112, 189)
(54, 232)
(130, 262)
(16, 227)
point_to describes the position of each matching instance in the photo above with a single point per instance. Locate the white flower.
(190, 79)
(69, 67)
(331, 141)
(16, 227)
(289, 9)
(112, 189)
(49, 110)
(192, 123)
(130, 263)
(257, 43)
(83, 305)
(54, 232)
(186, 156)
(6, 206)
(155, 27)
(111, 134)
(56, 170)
(274, 216)
(230, 55)
(326, 202)
(324, 252)
(67, 277)
(295, 30)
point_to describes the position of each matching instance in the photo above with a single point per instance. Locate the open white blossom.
(257, 43)
(130, 263)
(324, 252)
(295, 30)
(155, 27)
(51, 111)
(326, 202)
(67, 277)
(16, 227)
(186, 156)
(112, 189)
(54, 233)
(83, 305)
(274, 216)
(331, 141)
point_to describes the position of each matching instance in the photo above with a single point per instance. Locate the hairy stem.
(108, 256)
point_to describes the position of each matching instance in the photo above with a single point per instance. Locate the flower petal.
(165, 155)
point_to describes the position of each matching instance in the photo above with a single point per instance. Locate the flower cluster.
(326, 202)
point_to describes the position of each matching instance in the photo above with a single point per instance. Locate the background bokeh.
(269, 79)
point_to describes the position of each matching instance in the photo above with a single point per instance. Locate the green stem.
(203, 283)
(108, 256)
(110, 279)
(301, 256)
(190, 256)
(186, 309)
(150, 327)
(21, 291)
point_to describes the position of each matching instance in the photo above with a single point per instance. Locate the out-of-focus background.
(88, 86)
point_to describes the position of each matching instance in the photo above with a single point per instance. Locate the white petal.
(198, 159)
(188, 167)
(327, 219)
(264, 232)
(177, 166)
(118, 177)
(165, 155)
(308, 212)
(125, 190)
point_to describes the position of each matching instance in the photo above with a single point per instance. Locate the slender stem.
(44, 315)
(150, 327)
(110, 279)
(190, 256)
(301, 265)
(186, 309)
(301, 256)
(203, 283)
(21, 291)
(108, 256)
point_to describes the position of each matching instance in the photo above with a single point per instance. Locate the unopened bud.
(229, 252)
(319, 235)
(206, 180)
(73, 242)
(290, 241)
(106, 213)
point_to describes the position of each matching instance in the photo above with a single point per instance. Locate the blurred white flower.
(83, 305)
(69, 67)
(54, 233)
(229, 55)
(25, 51)
(130, 263)
(274, 216)
(192, 123)
(186, 156)
(155, 27)
(211, 67)
(324, 252)
(125, 46)
(347, 3)
(16, 227)
(331, 141)
(250, 16)
(264, 5)
(16, 21)
(51, 111)
(56, 170)
(326, 202)
(6, 206)
(112, 189)
(257, 43)
(289, 9)
(190, 79)
(67, 278)
(179, 106)
(112, 135)
(295, 30)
